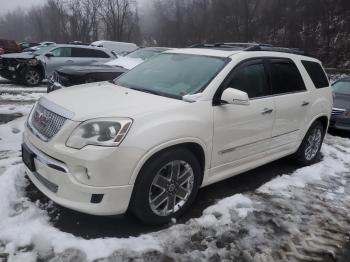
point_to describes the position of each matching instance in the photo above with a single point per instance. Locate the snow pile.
(301, 216)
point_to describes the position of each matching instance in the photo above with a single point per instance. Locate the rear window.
(85, 52)
(285, 77)
(316, 74)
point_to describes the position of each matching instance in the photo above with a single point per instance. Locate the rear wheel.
(309, 149)
(166, 186)
(32, 77)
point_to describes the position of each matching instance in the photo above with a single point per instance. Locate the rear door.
(292, 101)
(87, 56)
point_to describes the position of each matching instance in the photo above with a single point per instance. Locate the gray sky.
(7, 5)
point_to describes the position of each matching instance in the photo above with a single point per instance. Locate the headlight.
(100, 132)
(33, 62)
(347, 113)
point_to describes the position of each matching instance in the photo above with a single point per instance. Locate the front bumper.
(340, 122)
(56, 177)
(56, 82)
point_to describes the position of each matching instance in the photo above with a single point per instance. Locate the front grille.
(337, 111)
(6, 62)
(45, 122)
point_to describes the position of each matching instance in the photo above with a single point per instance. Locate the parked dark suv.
(341, 107)
(9, 46)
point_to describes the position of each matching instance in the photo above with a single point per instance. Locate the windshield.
(173, 75)
(342, 87)
(42, 50)
(143, 54)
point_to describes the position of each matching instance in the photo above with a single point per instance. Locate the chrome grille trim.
(51, 106)
(44, 123)
(337, 111)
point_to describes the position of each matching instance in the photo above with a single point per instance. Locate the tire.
(155, 191)
(309, 150)
(32, 77)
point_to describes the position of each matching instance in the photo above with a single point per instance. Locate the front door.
(242, 132)
(62, 56)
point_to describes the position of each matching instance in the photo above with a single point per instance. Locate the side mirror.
(49, 54)
(235, 97)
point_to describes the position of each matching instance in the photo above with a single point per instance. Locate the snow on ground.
(21, 97)
(294, 217)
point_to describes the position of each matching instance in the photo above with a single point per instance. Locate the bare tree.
(117, 16)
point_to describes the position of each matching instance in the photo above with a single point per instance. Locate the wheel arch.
(196, 146)
(323, 119)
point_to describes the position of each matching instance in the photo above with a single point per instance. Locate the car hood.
(341, 101)
(83, 70)
(106, 99)
(125, 62)
(18, 55)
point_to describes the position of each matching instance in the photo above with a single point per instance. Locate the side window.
(316, 74)
(85, 52)
(78, 52)
(62, 52)
(285, 77)
(99, 54)
(250, 79)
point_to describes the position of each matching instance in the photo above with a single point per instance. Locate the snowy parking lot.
(296, 215)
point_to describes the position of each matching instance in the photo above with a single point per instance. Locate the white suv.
(180, 121)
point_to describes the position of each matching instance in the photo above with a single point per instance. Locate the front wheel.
(32, 77)
(166, 187)
(310, 147)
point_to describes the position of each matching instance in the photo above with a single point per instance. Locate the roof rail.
(240, 46)
(251, 47)
(270, 48)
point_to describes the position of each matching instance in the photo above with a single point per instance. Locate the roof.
(113, 42)
(81, 46)
(156, 49)
(203, 51)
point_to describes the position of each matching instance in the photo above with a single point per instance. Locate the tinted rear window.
(285, 77)
(85, 52)
(316, 74)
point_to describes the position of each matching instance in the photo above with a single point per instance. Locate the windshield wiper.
(145, 91)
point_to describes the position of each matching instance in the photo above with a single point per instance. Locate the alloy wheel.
(171, 188)
(313, 144)
(32, 77)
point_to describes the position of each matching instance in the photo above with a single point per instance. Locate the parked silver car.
(31, 68)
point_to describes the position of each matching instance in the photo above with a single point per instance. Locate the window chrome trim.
(281, 94)
(57, 109)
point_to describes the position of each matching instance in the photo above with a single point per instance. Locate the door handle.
(305, 103)
(69, 61)
(267, 111)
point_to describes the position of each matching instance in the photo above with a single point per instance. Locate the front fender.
(165, 145)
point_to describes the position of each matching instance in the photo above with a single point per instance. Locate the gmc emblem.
(40, 118)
